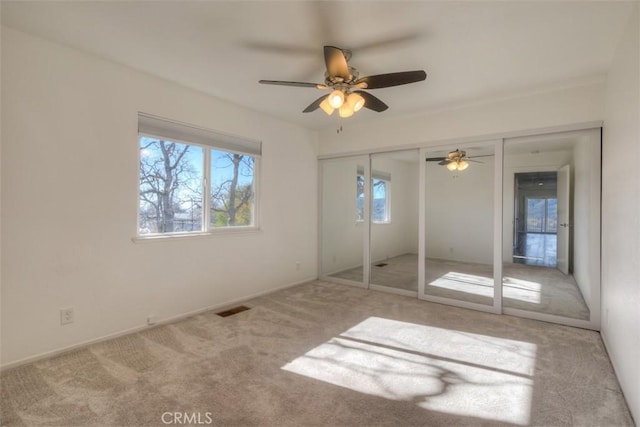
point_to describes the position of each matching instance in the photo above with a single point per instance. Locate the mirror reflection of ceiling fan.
(347, 94)
(456, 160)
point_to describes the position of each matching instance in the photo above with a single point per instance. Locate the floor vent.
(232, 311)
(381, 264)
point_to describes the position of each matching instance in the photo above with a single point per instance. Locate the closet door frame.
(498, 141)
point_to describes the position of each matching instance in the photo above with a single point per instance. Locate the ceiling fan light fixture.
(462, 165)
(356, 101)
(452, 166)
(326, 107)
(345, 111)
(336, 98)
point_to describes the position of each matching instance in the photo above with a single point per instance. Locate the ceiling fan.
(347, 95)
(455, 160)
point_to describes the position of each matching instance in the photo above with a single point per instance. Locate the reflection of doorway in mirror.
(535, 219)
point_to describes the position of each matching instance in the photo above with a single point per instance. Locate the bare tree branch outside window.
(379, 211)
(170, 197)
(232, 193)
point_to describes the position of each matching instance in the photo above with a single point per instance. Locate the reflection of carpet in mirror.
(532, 288)
(399, 272)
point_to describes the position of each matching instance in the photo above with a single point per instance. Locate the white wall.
(586, 204)
(621, 215)
(545, 109)
(69, 199)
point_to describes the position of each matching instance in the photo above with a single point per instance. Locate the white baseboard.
(56, 352)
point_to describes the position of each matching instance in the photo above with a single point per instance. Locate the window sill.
(240, 231)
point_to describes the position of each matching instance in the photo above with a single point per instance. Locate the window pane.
(360, 198)
(535, 215)
(552, 215)
(170, 187)
(232, 189)
(380, 203)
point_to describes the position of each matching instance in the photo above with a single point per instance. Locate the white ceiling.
(471, 50)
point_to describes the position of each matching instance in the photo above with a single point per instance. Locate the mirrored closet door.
(551, 234)
(459, 226)
(344, 207)
(394, 221)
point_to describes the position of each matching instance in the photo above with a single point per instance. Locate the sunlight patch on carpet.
(522, 290)
(513, 288)
(462, 282)
(438, 369)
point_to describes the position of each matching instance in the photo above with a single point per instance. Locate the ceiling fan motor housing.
(457, 155)
(334, 81)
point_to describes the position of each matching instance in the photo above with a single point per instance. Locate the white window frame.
(159, 128)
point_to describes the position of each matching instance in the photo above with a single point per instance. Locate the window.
(381, 184)
(542, 215)
(194, 180)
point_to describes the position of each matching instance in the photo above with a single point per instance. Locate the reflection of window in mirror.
(360, 198)
(380, 209)
(381, 187)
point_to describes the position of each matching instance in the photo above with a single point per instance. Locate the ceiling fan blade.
(336, 62)
(435, 159)
(371, 102)
(314, 105)
(392, 79)
(297, 84)
(444, 162)
(475, 161)
(279, 48)
(388, 42)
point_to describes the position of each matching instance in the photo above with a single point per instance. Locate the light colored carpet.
(322, 354)
(531, 288)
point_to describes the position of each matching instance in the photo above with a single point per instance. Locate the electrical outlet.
(66, 316)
